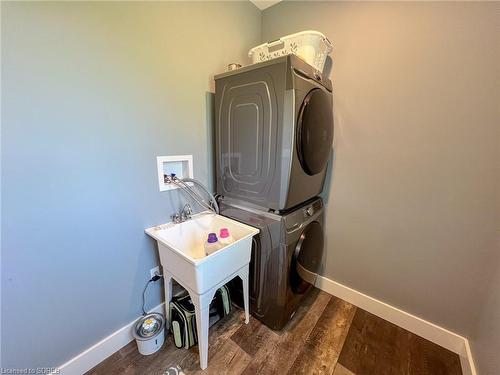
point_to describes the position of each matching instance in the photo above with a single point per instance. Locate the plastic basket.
(311, 46)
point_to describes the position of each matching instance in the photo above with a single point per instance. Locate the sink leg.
(243, 274)
(167, 280)
(202, 308)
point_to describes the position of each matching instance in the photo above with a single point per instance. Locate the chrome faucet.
(185, 214)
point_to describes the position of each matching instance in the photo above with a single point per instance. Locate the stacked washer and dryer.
(273, 136)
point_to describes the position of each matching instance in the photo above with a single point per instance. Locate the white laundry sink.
(182, 252)
(182, 255)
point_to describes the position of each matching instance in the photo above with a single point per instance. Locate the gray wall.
(486, 340)
(92, 93)
(412, 214)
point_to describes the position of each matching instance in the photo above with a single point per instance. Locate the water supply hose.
(204, 188)
(193, 195)
(181, 183)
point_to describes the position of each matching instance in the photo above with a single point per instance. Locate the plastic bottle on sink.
(212, 244)
(225, 237)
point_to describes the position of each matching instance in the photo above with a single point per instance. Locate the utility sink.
(182, 255)
(182, 252)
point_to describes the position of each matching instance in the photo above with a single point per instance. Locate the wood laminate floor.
(326, 336)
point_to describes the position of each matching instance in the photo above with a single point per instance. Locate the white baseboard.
(430, 331)
(98, 352)
(468, 366)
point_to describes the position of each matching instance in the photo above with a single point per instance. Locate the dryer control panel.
(303, 215)
(312, 209)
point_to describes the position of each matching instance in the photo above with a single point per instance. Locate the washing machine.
(286, 256)
(273, 133)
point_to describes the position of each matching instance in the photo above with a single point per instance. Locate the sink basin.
(182, 252)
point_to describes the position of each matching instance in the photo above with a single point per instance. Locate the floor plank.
(429, 358)
(374, 346)
(252, 336)
(322, 348)
(278, 355)
(230, 359)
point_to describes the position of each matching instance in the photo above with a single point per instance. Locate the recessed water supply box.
(180, 165)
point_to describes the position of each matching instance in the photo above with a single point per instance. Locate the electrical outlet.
(154, 271)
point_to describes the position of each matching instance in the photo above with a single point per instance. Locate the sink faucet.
(183, 215)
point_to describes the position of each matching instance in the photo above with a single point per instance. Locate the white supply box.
(311, 46)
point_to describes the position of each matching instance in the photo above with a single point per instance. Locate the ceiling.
(263, 4)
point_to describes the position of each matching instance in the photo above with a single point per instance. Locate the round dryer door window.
(306, 258)
(315, 131)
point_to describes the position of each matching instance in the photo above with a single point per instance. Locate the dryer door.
(315, 131)
(306, 257)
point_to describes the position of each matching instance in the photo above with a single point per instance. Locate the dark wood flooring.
(326, 336)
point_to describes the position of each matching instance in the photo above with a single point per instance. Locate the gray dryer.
(274, 132)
